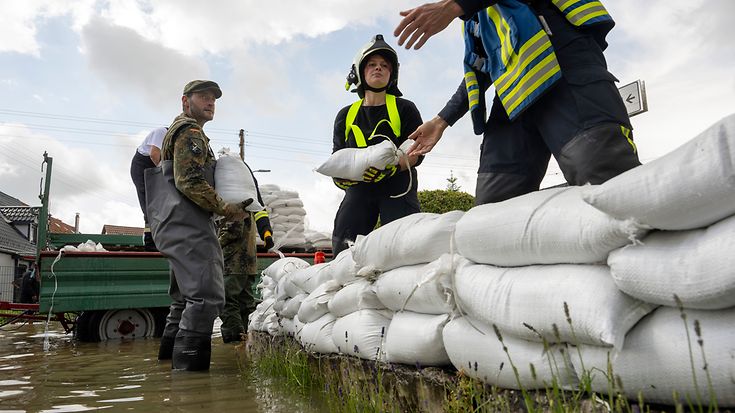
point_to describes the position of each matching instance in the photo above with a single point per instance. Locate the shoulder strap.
(349, 125)
(395, 119)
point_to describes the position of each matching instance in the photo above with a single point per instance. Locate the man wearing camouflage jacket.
(182, 201)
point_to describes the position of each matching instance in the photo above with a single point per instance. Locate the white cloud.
(128, 63)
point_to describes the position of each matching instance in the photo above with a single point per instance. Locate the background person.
(237, 239)
(553, 93)
(380, 111)
(147, 155)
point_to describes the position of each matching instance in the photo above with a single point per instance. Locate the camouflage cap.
(199, 85)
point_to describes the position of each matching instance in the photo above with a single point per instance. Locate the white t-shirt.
(155, 138)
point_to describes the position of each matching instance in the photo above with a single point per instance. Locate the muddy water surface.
(125, 376)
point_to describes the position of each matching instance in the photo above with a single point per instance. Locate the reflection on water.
(124, 375)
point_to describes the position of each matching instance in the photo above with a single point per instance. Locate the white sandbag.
(535, 295)
(267, 198)
(316, 336)
(691, 187)
(299, 219)
(286, 202)
(291, 306)
(234, 182)
(415, 239)
(416, 339)
(283, 266)
(480, 354)
(272, 325)
(288, 326)
(553, 226)
(351, 163)
(264, 309)
(358, 295)
(266, 283)
(362, 334)
(316, 304)
(422, 288)
(300, 211)
(267, 293)
(268, 188)
(696, 265)
(278, 219)
(286, 288)
(344, 268)
(656, 361)
(291, 228)
(298, 327)
(308, 279)
(285, 194)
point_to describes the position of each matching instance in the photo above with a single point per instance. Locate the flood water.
(125, 375)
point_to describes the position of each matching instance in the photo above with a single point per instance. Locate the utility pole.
(242, 144)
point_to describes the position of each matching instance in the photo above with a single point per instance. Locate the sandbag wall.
(566, 279)
(287, 215)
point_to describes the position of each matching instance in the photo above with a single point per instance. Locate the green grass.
(371, 387)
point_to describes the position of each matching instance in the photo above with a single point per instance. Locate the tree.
(452, 183)
(441, 201)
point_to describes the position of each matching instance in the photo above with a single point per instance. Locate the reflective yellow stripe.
(474, 96)
(585, 18)
(351, 115)
(503, 31)
(359, 137)
(584, 13)
(530, 82)
(261, 214)
(626, 133)
(470, 79)
(561, 4)
(530, 50)
(395, 119)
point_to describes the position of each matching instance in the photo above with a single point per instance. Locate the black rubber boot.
(232, 338)
(166, 350)
(148, 243)
(192, 351)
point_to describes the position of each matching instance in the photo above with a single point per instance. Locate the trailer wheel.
(86, 326)
(126, 324)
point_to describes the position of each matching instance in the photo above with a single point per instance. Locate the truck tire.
(86, 326)
(94, 326)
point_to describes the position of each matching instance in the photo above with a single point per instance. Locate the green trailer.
(118, 293)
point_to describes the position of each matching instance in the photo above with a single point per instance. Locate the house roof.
(57, 226)
(120, 230)
(7, 200)
(20, 214)
(11, 241)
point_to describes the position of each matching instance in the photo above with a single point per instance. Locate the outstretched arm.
(420, 23)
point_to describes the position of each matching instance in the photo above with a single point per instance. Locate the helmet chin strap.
(374, 89)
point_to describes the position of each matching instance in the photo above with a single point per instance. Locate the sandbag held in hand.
(351, 163)
(234, 182)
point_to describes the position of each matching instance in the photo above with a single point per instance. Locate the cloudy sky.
(86, 80)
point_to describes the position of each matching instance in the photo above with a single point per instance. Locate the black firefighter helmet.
(376, 45)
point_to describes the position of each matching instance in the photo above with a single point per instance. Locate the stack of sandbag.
(533, 268)
(281, 299)
(318, 240)
(410, 261)
(685, 264)
(421, 297)
(287, 215)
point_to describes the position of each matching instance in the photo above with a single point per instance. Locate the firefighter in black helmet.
(379, 114)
